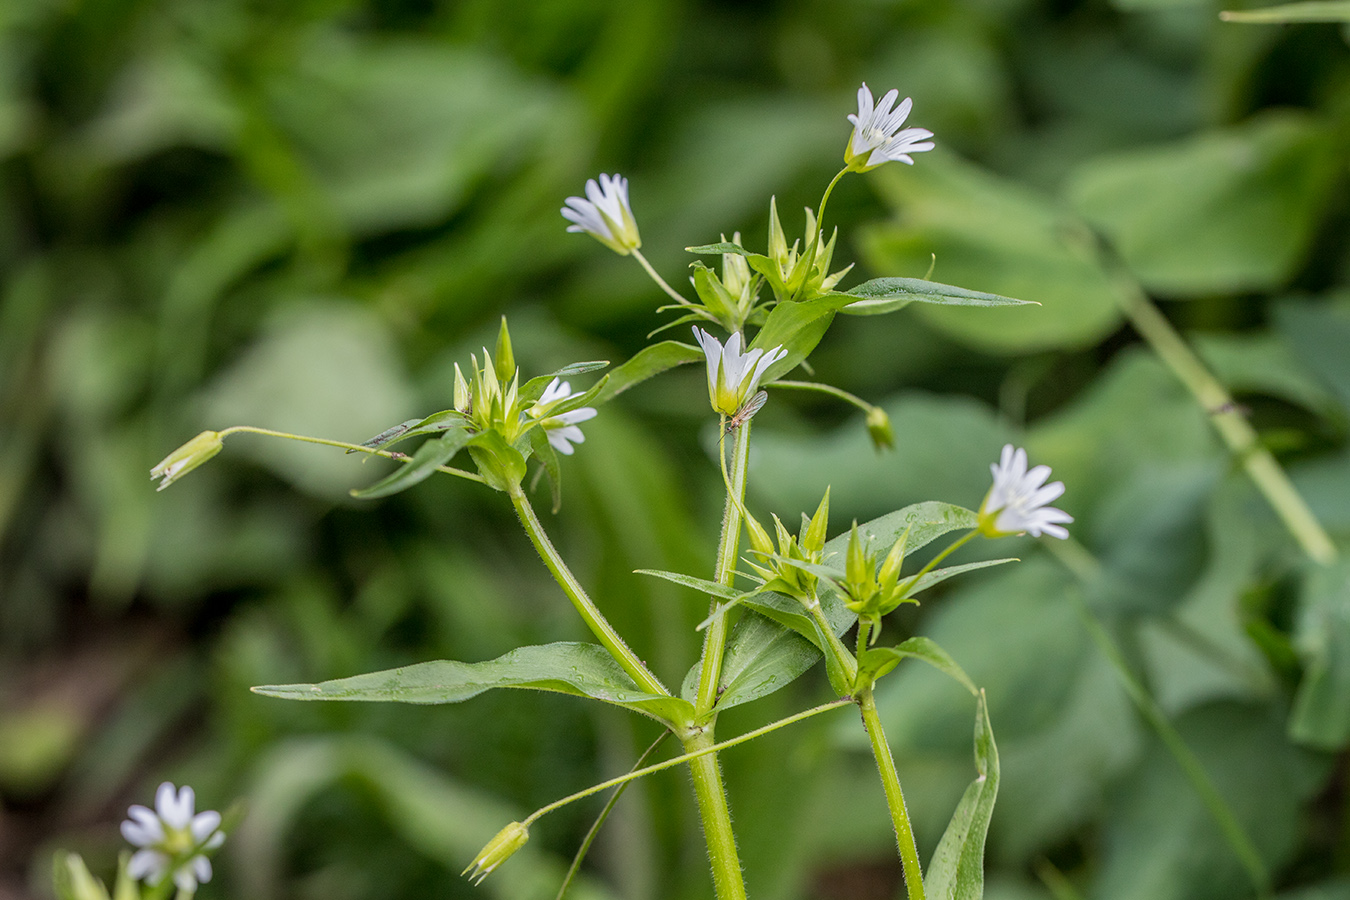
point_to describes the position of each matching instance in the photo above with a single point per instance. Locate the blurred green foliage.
(299, 215)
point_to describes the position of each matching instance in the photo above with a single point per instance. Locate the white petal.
(203, 824)
(201, 866)
(583, 414)
(176, 811)
(185, 879)
(214, 841)
(712, 352)
(147, 865)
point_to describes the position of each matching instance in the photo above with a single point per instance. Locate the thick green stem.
(715, 637)
(895, 798)
(595, 621)
(1236, 431)
(706, 773)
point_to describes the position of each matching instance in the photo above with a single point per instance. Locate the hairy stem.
(594, 619)
(895, 798)
(715, 637)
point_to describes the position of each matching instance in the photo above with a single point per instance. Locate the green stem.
(705, 749)
(706, 774)
(1265, 472)
(932, 563)
(715, 637)
(351, 448)
(895, 798)
(1084, 565)
(595, 621)
(660, 282)
(820, 227)
(829, 389)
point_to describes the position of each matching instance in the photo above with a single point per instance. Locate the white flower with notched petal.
(733, 375)
(562, 430)
(877, 137)
(604, 214)
(1017, 501)
(171, 839)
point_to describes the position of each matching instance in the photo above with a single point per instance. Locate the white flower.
(562, 428)
(877, 137)
(1017, 501)
(733, 375)
(172, 840)
(605, 214)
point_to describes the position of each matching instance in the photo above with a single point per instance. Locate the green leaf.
(991, 234)
(433, 453)
(534, 388)
(883, 295)
(880, 660)
(1223, 212)
(583, 670)
(956, 871)
(926, 522)
(389, 435)
(1306, 11)
(702, 585)
(798, 328)
(761, 657)
(1321, 716)
(645, 363)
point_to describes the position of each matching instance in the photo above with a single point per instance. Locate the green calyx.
(782, 567)
(870, 589)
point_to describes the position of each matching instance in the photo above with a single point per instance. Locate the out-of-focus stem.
(1265, 472)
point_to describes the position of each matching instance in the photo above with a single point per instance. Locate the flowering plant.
(806, 598)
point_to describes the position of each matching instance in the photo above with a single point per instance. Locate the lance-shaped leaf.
(877, 661)
(534, 388)
(649, 361)
(883, 295)
(797, 328)
(956, 871)
(583, 670)
(433, 453)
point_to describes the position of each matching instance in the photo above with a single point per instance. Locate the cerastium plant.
(800, 594)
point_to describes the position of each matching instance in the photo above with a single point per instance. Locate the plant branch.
(595, 620)
(351, 448)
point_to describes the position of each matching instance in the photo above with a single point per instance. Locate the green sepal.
(433, 453)
(72, 881)
(505, 358)
(956, 871)
(884, 295)
(501, 465)
(579, 669)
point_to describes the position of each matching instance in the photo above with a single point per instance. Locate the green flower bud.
(186, 458)
(498, 850)
(879, 428)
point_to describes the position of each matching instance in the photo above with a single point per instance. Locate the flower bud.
(498, 850)
(879, 428)
(186, 458)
